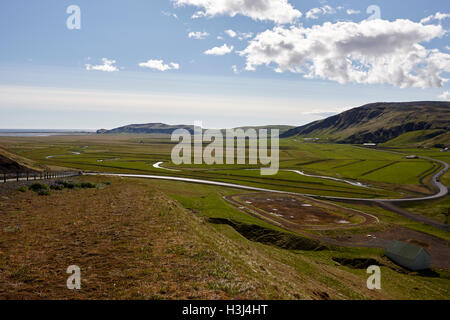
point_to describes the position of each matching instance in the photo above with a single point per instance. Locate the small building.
(409, 256)
(369, 144)
(412, 157)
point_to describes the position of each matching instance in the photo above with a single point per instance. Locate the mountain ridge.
(378, 122)
(162, 128)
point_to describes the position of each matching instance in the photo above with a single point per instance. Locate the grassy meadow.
(387, 174)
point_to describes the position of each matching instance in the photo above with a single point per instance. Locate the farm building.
(409, 256)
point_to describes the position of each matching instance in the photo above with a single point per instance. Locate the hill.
(10, 166)
(379, 122)
(282, 128)
(147, 128)
(161, 128)
(12, 163)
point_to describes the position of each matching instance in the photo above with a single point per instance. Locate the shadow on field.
(364, 263)
(358, 263)
(271, 237)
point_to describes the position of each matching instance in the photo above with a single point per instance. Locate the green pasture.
(384, 170)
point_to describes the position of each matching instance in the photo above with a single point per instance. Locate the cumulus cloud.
(235, 69)
(220, 51)
(278, 11)
(437, 16)
(373, 52)
(107, 66)
(315, 12)
(159, 65)
(230, 33)
(198, 35)
(445, 95)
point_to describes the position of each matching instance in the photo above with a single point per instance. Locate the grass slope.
(138, 239)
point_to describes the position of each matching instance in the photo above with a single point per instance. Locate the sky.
(84, 64)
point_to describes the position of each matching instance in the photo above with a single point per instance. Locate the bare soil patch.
(299, 213)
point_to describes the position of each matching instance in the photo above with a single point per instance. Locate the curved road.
(443, 190)
(388, 204)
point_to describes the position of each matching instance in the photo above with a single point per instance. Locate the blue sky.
(53, 77)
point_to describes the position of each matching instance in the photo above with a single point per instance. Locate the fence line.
(29, 176)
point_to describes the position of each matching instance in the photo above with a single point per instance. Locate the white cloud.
(178, 106)
(240, 35)
(198, 14)
(169, 14)
(445, 95)
(373, 52)
(245, 35)
(315, 12)
(159, 65)
(230, 33)
(107, 66)
(437, 16)
(278, 11)
(198, 35)
(235, 69)
(220, 51)
(351, 11)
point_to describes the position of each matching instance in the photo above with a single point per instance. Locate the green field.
(387, 174)
(297, 272)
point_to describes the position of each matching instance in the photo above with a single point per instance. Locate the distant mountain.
(282, 128)
(379, 122)
(161, 128)
(149, 128)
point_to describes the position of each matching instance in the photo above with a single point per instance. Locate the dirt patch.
(299, 213)
(271, 237)
(418, 243)
(322, 295)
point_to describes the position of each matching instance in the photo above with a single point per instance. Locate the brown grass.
(128, 241)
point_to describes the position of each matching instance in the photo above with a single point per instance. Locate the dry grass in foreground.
(128, 241)
(132, 241)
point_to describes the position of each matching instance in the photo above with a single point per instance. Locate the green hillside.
(381, 122)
